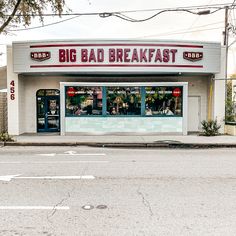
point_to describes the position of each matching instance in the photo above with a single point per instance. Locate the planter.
(230, 128)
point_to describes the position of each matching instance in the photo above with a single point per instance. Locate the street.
(114, 192)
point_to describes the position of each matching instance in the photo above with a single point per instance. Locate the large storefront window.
(123, 101)
(163, 101)
(83, 101)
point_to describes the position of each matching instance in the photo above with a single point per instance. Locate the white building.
(120, 86)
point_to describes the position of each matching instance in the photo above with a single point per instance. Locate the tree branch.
(5, 24)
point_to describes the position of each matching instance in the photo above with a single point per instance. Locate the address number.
(12, 90)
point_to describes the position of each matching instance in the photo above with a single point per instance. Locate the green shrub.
(210, 127)
(5, 137)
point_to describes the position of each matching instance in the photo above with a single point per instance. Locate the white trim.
(99, 40)
(62, 108)
(185, 109)
(123, 84)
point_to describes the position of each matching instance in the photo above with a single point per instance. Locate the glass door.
(52, 114)
(48, 112)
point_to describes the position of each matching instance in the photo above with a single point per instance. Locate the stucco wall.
(30, 84)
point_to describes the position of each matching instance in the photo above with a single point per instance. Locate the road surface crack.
(56, 205)
(145, 202)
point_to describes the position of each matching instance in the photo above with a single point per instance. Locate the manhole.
(87, 207)
(101, 207)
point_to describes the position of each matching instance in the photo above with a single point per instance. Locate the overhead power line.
(182, 31)
(196, 10)
(45, 25)
(190, 8)
(126, 18)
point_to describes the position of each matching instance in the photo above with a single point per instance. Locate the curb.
(127, 145)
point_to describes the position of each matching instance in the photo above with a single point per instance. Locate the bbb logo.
(40, 56)
(193, 56)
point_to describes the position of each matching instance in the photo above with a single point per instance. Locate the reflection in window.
(52, 92)
(163, 101)
(123, 101)
(83, 101)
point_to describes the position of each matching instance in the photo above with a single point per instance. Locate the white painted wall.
(32, 85)
(219, 93)
(13, 105)
(197, 86)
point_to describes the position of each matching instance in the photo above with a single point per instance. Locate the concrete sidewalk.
(190, 141)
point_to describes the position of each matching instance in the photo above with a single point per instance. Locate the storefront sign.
(176, 92)
(116, 57)
(40, 56)
(193, 56)
(70, 92)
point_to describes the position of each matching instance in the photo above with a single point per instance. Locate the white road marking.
(51, 162)
(47, 154)
(10, 162)
(71, 153)
(34, 208)
(10, 177)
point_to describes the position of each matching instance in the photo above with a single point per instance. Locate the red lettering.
(100, 54)
(126, 55)
(12, 90)
(135, 56)
(166, 55)
(72, 55)
(112, 56)
(65, 55)
(143, 56)
(84, 55)
(92, 56)
(150, 54)
(12, 83)
(119, 54)
(13, 96)
(62, 55)
(173, 52)
(158, 56)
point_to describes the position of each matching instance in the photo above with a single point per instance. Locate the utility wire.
(122, 16)
(179, 32)
(195, 21)
(188, 8)
(42, 26)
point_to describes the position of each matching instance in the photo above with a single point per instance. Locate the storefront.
(118, 87)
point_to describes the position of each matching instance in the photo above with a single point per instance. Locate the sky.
(168, 25)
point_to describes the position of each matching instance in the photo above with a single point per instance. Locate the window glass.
(83, 101)
(165, 101)
(41, 92)
(48, 92)
(52, 92)
(123, 101)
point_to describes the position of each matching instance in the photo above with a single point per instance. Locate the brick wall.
(3, 112)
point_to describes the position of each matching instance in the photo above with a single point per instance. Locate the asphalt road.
(115, 192)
